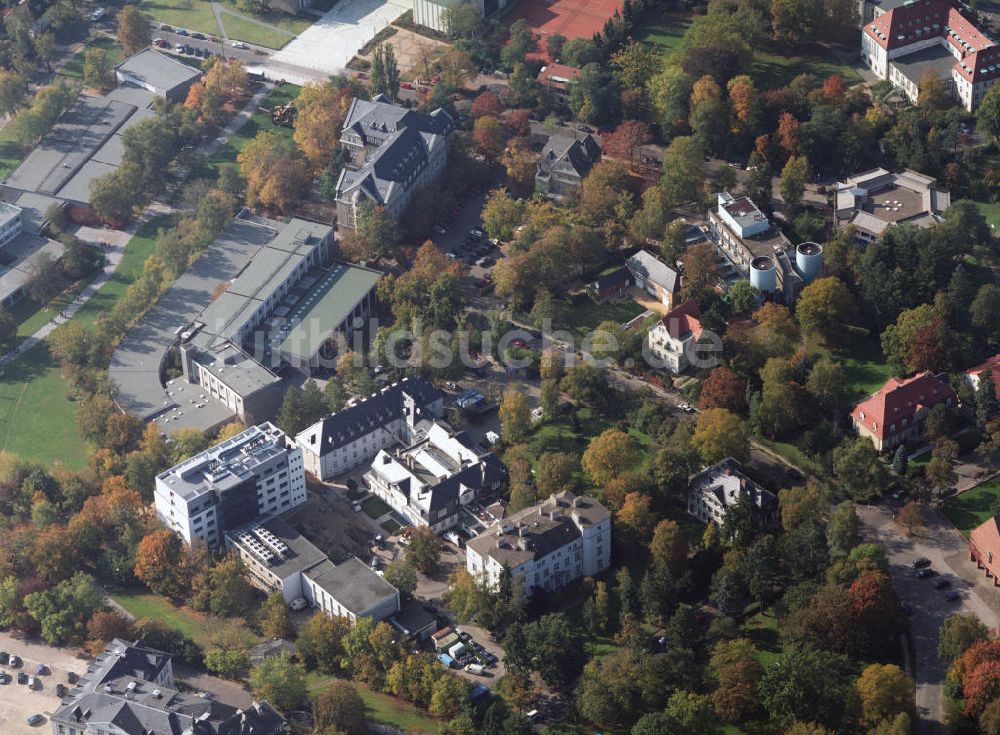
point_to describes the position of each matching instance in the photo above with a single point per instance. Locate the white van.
(532, 716)
(98, 14)
(476, 669)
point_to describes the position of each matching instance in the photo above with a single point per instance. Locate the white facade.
(209, 493)
(525, 544)
(11, 224)
(671, 350)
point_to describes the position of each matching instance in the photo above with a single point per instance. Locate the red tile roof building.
(672, 339)
(906, 42)
(984, 548)
(893, 414)
(972, 376)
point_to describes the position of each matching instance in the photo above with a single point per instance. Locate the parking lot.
(17, 702)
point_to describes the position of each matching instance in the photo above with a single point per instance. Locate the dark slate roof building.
(564, 164)
(716, 489)
(351, 437)
(129, 689)
(393, 151)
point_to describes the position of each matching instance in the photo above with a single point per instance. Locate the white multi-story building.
(431, 13)
(547, 545)
(351, 437)
(672, 340)
(280, 559)
(11, 224)
(227, 486)
(432, 479)
(716, 489)
(931, 37)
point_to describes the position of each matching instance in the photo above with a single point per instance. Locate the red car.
(406, 85)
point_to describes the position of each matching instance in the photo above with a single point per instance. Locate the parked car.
(537, 412)
(168, 29)
(181, 32)
(71, 677)
(33, 683)
(921, 562)
(4, 677)
(15, 661)
(179, 48)
(485, 262)
(924, 573)
(942, 584)
(22, 678)
(98, 14)
(41, 669)
(299, 603)
(477, 234)
(4, 658)
(239, 44)
(60, 690)
(406, 85)
(476, 669)
(198, 36)
(440, 230)
(952, 596)
(35, 719)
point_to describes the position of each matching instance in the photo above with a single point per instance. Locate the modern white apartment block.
(280, 559)
(547, 545)
(11, 224)
(431, 480)
(227, 486)
(352, 437)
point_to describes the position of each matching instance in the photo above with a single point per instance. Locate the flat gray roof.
(135, 366)
(301, 553)
(33, 207)
(83, 144)
(353, 584)
(324, 308)
(232, 365)
(26, 247)
(158, 70)
(936, 58)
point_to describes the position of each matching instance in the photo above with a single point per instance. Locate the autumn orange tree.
(134, 32)
(274, 170)
(320, 113)
(485, 104)
(487, 136)
(719, 434)
(160, 563)
(723, 389)
(608, 455)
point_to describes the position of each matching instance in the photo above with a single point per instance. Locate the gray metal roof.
(653, 269)
(580, 155)
(160, 71)
(353, 584)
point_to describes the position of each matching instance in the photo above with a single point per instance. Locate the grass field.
(584, 316)
(970, 509)
(374, 507)
(664, 33)
(774, 70)
(762, 629)
(245, 29)
(30, 317)
(11, 152)
(382, 708)
(865, 368)
(258, 122)
(199, 627)
(194, 15)
(37, 421)
(74, 67)
(991, 212)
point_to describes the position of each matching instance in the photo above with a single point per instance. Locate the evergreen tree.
(986, 398)
(900, 460)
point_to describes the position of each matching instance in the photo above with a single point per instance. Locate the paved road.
(250, 56)
(946, 549)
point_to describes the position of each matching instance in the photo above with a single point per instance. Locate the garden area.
(382, 708)
(583, 313)
(375, 507)
(664, 33)
(974, 507)
(775, 70)
(74, 67)
(259, 121)
(202, 628)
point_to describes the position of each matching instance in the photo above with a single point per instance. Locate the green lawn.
(374, 507)
(663, 31)
(258, 122)
(763, 631)
(199, 627)
(31, 317)
(973, 507)
(139, 248)
(37, 422)
(792, 454)
(991, 212)
(74, 67)
(865, 369)
(11, 152)
(194, 15)
(774, 70)
(246, 30)
(582, 317)
(383, 709)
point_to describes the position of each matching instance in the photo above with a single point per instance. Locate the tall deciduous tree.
(719, 434)
(134, 31)
(608, 455)
(274, 170)
(281, 681)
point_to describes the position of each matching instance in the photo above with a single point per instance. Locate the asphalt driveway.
(946, 549)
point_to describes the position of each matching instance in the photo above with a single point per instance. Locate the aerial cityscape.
(500, 367)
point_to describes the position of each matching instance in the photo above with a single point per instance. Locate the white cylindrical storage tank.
(809, 260)
(764, 274)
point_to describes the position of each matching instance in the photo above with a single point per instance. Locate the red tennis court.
(570, 18)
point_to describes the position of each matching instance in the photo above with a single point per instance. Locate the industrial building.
(876, 200)
(394, 151)
(760, 251)
(547, 546)
(430, 481)
(265, 296)
(905, 42)
(716, 489)
(162, 74)
(280, 559)
(431, 13)
(255, 473)
(352, 437)
(129, 689)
